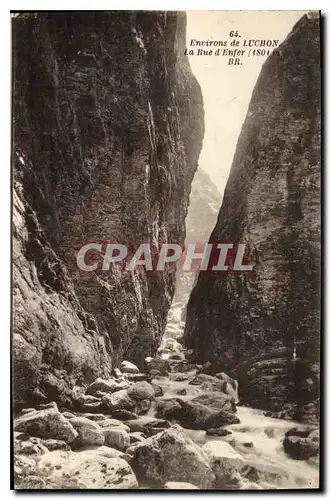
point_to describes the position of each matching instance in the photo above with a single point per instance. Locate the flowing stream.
(257, 438)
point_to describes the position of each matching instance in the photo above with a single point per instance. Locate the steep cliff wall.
(108, 127)
(252, 323)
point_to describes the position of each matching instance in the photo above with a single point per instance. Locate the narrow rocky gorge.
(205, 201)
(105, 147)
(263, 327)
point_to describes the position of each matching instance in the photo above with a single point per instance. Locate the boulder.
(172, 456)
(92, 407)
(300, 431)
(217, 401)
(224, 461)
(85, 470)
(208, 383)
(176, 357)
(181, 392)
(300, 448)
(118, 374)
(206, 368)
(157, 390)
(124, 414)
(143, 406)
(116, 437)
(226, 378)
(87, 398)
(107, 452)
(24, 467)
(96, 417)
(198, 416)
(136, 437)
(107, 386)
(30, 446)
(113, 422)
(89, 433)
(47, 423)
(141, 390)
(177, 485)
(118, 400)
(147, 425)
(218, 431)
(127, 367)
(159, 364)
(68, 415)
(56, 444)
(168, 408)
(194, 415)
(138, 377)
(179, 377)
(181, 366)
(156, 430)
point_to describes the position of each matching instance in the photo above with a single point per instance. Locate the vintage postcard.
(166, 250)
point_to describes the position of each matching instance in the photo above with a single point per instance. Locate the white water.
(268, 466)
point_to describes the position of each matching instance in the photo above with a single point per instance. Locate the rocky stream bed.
(173, 427)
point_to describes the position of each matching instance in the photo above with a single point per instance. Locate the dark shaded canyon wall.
(108, 127)
(251, 323)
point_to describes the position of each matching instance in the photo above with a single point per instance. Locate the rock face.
(108, 127)
(251, 323)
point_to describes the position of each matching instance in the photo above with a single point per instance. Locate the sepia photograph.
(165, 250)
